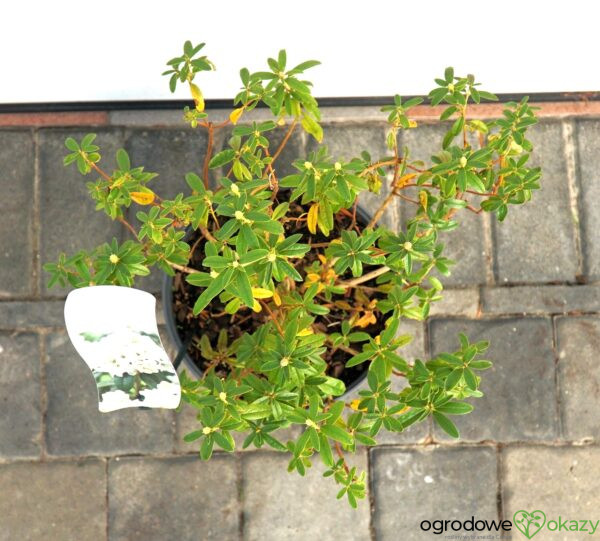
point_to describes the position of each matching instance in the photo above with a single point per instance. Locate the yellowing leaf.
(313, 215)
(143, 198)
(354, 405)
(366, 320)
(198, 97)
(423, 198)
(261, 293)
(276, 298)
(256, 306)
(311, 126)
(412, 124)
(305, 332)
(405, 179)
(236, 114)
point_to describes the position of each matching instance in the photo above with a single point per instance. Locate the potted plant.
(286, 290)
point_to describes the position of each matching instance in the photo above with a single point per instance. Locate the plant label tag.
(114, 330)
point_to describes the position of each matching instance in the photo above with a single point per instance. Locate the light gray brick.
(536, 241)
(16, 208)
(182, 498)
(53, 500)
(74, 424)
(28, 314)
(171, 153)
(578, 340)
(465, 245)
(560, 481)
(21, 419)
(554, 299)
(413, 485)
(306, 506)
(519, 400)
(457, 302)
(69, 220)
(587, 138)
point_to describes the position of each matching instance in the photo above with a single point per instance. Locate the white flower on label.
(450, 87)
(235, 190)
(407, 246)
(235, 264)
(214, 273)
(239, 215)
(463, 161)
(113, 258)
(284, 361)
(128, 352)
(206, 430)
(307, 165)
(223, 396)
(337, 166)
(271, 257)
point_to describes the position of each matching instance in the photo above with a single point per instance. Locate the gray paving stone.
(69, 220)
(30, 314)
(171, 153)
(53, 500)
(587, 138)
(519, 402)
(282, 506)
(431, 484)
(180, 498)
(560, 481)
(578, 341)
(347, 141)
(465, 245)
(457, 302)
(536, 241)
(556, 299)
(21, 419)
(16, 179)
(74, 424)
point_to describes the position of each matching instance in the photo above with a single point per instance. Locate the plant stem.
(365, 278)
(208, 153)
(340, 453)
(285, 140)
(182, 268)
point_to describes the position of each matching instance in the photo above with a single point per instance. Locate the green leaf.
(338, 434)
(123, 160)
(453, 378)
(215, 287)
(206, 448)
(446, 424)
(192, 436)
(455, 408)
(222, 158)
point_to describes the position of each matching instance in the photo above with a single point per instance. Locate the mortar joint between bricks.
(35, 228)
(568, 127)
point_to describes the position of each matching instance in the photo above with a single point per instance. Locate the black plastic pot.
(182, 355)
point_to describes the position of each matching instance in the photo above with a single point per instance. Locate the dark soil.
(210, 321)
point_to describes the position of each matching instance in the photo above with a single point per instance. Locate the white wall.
(112, 50)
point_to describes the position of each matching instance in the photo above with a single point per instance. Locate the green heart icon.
(529, 523)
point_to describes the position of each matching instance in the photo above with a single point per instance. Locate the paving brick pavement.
(68, 472)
